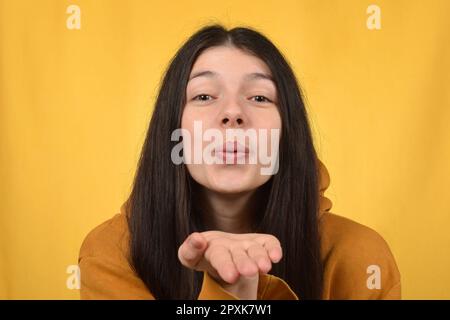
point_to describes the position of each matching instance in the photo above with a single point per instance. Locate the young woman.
(224, 229)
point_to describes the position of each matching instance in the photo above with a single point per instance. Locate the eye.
(202, 97)
(261, 99)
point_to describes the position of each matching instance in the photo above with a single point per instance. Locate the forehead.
(224, 60)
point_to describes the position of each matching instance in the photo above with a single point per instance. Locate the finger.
(259, 255)
(219, 257)
(197, 241)
(192, 250)
(273, 247)
(246, 266)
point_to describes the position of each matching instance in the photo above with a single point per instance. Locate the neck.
(233, 213)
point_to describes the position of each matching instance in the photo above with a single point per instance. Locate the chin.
(233, 180)
(228, 188)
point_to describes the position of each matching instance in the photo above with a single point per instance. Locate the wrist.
(245, 288)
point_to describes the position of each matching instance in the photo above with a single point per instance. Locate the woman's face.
(230, 89)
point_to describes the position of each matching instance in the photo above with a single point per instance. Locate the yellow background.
(75, 104)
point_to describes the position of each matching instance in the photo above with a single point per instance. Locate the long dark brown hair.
(162, 200)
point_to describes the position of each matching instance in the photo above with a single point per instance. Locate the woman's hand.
(233, 260)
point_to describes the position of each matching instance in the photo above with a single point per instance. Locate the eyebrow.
(247, 77)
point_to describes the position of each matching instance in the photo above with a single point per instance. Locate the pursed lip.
(232, 152)
(233, 147)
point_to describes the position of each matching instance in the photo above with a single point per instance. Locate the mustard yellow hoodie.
(358, 263)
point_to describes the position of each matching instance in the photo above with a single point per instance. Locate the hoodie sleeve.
(270, 287)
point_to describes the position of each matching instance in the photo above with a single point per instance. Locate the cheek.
(274, 120)
(187, 120)
(269, 118)
(271, 125)
(194, 118)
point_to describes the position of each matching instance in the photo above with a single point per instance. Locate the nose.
(233, 116)
(229, 121)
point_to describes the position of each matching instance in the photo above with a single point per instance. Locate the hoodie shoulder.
(106, 271)
(358, 263)
(110, 238)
